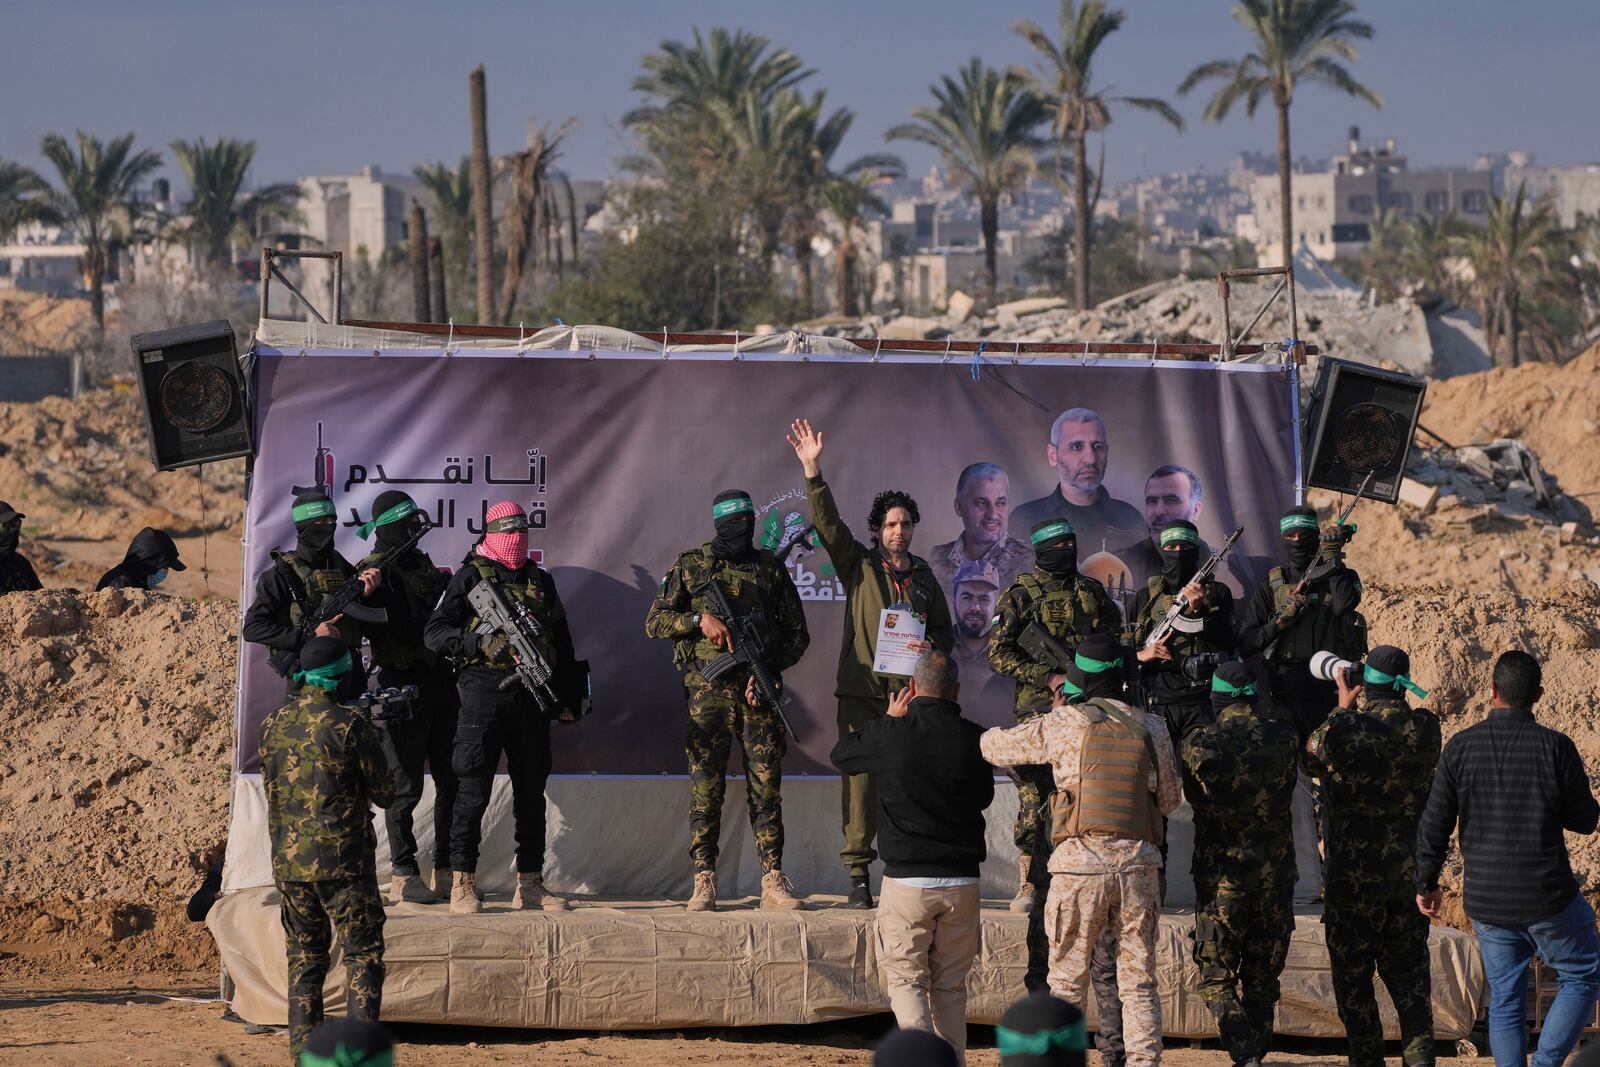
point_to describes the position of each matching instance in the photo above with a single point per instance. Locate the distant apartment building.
(1333, 211)
(1572, 191)
(358, 211)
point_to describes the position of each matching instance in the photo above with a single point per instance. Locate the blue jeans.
(1567, 943)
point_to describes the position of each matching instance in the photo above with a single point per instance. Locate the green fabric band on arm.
(1070, 1038)
(314, 509)
(1051, 532)
(732, 507)
(402, 510)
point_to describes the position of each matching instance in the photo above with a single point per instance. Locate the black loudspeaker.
(1361, 421)
(193, 393)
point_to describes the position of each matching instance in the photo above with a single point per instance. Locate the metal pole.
(1298, 354)
(338, 288)
(1226, 353)
(266, 278)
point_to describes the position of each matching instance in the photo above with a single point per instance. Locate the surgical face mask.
(156, 579)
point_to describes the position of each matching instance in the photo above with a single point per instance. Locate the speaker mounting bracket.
(269, 270)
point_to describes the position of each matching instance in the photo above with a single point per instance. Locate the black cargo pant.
(428, 737)
(1102, 964)
(493, 723)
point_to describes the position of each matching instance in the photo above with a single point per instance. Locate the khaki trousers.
(858, 795)
(1078, 910)
(926, 941)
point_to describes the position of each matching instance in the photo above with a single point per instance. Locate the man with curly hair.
(876, 576)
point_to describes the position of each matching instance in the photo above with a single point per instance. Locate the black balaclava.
(314, 536)
(1385, 662)
(1055, 547)
(10, 529)
(398, 530)
(1041, 1031)
(734, 517)
(1180, 553)
(1233, 683)
(1300, 553)
(348, 1043)
(914, 1048)
(1099, 657)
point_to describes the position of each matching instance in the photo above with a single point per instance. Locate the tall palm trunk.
(441, 310)
(846, 267)
(419, 264)
(1285, 182)
(94, 267)
(803, 260)
(482, 206)
(1080, 226)
(989, 209)
(572, 218)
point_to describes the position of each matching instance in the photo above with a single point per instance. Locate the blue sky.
(324, 88)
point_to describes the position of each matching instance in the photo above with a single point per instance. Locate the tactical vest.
(420, 588)
(1067, 613)
(525, 589)
(1322, 631)
(747, 587)
(310, 584)
(1113, 796)
(1187, 631)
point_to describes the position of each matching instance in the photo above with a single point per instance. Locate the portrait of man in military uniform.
(983, 504)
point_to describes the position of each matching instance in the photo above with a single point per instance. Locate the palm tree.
(217, 214)
(849, 197)
(1076, 109)
(1428, 244)
(1511, 257)
(482, 193)
(532, 211)
(450, 191)
(24, 198)
(1381, 264)
(1295, 41)
(983, 125)
(97, 183)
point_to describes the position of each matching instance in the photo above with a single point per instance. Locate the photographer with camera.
(1306, 605)
(1375, 756)
(422, 730)
(323, 768)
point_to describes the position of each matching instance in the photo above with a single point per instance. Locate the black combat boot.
(860, 893)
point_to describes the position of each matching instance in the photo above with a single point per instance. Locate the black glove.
(492, 647)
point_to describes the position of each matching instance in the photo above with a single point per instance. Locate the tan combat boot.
(411, 889)
(1023, 902)
(777, 894)
(464, 894)
(531, 895)
(704, 897)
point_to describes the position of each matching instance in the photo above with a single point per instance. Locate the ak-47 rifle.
(748, 650)
(345, 600)
(1315, 570)
(1169, 621)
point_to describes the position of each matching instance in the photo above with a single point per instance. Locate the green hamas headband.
(1051, 532)
(314, 509)
(1069, 1038)
(1094, 666)
(345, 1056)
(402, 510)
(509, 524)
(1173, 534)
(1218, 685)
(732, 507)
(1296, 522)
(1070, 689)
(1377, 677)
(327, 675)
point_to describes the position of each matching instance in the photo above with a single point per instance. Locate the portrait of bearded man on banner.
(986, 697)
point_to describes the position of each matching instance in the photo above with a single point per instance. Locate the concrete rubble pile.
(1472, 486)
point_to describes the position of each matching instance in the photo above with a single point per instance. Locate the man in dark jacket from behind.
(933, 785)
(151, 555)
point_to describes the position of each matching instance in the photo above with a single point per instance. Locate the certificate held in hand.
(900, 633)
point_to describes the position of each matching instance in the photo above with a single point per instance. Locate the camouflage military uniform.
(1376, 764)
(718, 712)
(1070, 609)
(322, 768)
(1242, 773)
(285, 592)
(1010, 557)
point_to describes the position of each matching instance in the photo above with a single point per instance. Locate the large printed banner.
(617, 457)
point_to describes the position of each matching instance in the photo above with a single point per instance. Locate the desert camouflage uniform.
(1376, 764)
(1242, 773)
(322, 767)
(1099, 882)
(717, 710)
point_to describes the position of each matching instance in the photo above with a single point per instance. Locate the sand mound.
(116, 711)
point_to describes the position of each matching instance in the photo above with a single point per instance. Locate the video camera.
(394, 704)
(1329, 666)
(1199, 667)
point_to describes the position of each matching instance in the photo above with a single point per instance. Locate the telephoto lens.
(1329, 666)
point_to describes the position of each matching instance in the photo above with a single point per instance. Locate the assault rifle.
(345, 600)
(1036, 642)
(1316, 569)
(522, 632)
(1169, 621)
(748, 651)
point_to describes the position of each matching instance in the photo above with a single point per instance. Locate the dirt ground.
(107, 1025)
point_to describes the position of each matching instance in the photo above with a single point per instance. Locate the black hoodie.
(150, 550)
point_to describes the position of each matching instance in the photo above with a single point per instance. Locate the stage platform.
(641, 965)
